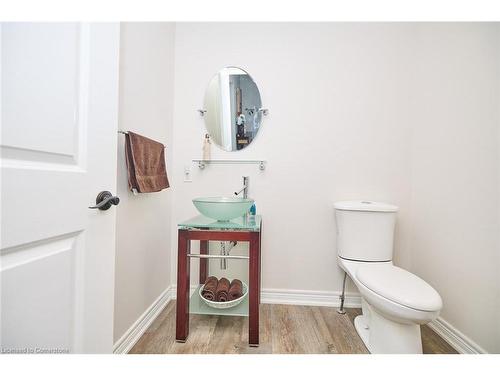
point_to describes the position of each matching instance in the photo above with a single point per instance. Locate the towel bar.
(126, 132)
(218, 256)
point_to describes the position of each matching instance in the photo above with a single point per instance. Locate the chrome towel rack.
(218, 256)
(126, 132)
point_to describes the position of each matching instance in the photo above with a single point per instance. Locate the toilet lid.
(365, 206)
(400, 286)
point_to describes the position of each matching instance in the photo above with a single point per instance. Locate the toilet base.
(363, 330)
(383, 336)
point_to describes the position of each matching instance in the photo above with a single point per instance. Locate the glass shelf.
(203, 162)
(197, 306)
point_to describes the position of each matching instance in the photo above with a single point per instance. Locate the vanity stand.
(204, 229)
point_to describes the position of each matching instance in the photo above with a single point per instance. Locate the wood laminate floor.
(284, 329)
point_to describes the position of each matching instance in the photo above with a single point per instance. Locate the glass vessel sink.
(223, 208)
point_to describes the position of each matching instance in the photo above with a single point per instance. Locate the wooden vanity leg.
(254, 292)
(182, 314)
(203, 262)
(260, 258)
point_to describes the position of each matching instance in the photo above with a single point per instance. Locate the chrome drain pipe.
(225, 248)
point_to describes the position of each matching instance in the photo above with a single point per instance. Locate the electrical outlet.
(187, 173)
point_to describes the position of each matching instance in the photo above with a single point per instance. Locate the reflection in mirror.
(233, 109)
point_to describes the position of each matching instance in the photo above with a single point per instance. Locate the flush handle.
(105, 200)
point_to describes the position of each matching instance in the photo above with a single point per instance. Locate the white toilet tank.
(365, 230)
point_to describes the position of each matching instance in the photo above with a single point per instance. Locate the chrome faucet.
(246, 180)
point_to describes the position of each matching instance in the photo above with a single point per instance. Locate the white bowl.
(227, 304)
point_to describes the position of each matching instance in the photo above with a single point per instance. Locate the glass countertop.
(250, 223)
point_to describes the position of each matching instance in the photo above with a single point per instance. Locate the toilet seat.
(395, 310)
(399, 286)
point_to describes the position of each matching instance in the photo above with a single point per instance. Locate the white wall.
(143, 221)
(337, 130)
(455, 174)
(403, 113)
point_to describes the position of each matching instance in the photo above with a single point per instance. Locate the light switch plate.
(187, 173)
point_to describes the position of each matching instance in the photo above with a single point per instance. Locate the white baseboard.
(460, 342)
(300, 297)
(308, 298)
(134, 333)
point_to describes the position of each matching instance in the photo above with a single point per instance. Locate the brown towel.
(210, 288)
(235, 290)
(145, 163)
(221, 295)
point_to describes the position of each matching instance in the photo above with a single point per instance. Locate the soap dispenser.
(206, 147)
(253, 210)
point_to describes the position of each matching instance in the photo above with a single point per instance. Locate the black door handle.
(105, 200)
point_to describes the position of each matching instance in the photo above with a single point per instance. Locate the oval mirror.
(233, 109)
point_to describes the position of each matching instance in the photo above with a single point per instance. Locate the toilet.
(394, 302)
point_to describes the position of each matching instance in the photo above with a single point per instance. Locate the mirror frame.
(203, 112)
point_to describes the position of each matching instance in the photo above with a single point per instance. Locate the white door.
(59, 98)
